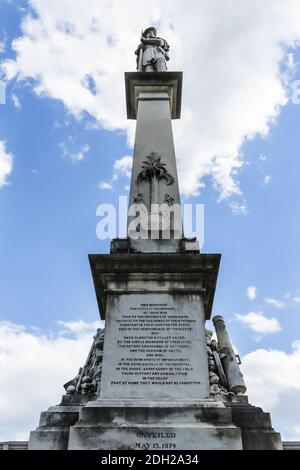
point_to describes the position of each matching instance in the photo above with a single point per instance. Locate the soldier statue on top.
(152, 52)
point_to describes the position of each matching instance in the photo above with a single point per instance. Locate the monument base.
(140, 425)
(79, 423)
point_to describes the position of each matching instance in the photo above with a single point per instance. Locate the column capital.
(185, 274)
(153, 82)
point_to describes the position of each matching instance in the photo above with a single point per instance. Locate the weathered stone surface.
(169, 82)
(49, 439)
(188, 272)
(54, 428)
(14, 445)
(261, 440)
(291, 445)
(155, 347)
(137, 425)
(154, 181)
(186, 245)
(76, 400)
(256, 428)
(155, 343)
(232, 370)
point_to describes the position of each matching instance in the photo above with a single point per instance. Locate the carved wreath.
(153, 167)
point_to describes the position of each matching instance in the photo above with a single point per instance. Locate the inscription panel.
(155, 348)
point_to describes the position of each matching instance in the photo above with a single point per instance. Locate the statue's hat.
(148, 30)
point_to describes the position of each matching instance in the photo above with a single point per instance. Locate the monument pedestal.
(154, 388)
(146, 425)
(155, 307)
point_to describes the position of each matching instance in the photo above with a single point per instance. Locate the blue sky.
(62, 152)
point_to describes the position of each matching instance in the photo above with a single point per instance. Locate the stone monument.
(155, 378)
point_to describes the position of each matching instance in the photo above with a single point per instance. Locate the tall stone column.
(153, 99)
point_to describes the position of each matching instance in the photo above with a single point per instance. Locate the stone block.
(54, 428)
(137, 425)
(256, 428)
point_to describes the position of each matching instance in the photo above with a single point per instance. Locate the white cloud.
(293, 299)
(238, 208)
(258, 323)
(34, 368)
(105, 185)
(275, 303)
(2, 47)
(251, 292)
(16, 101)
(273, 381)
(6, 164)
(234, 85)
(80, 327)
(122, 167)
(263, 158)
(267, 179)
(79, 156)
(75, 156)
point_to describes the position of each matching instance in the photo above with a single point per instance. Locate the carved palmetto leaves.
(153, 168)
